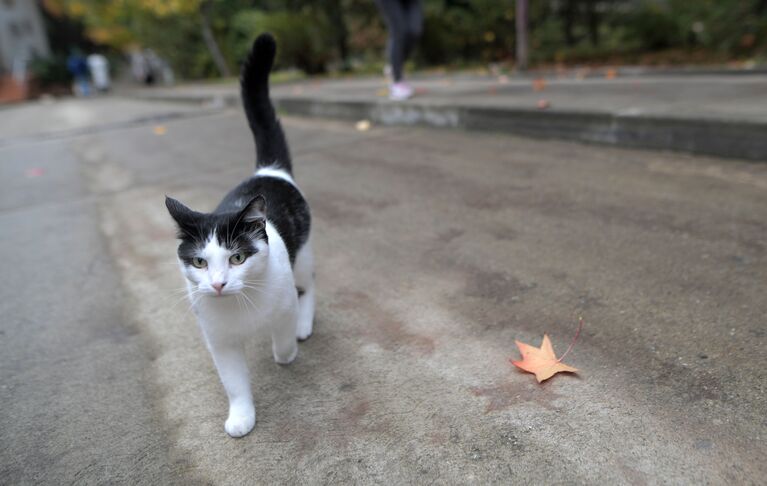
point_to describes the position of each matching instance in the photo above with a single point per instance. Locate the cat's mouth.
(221, 294)
(227, 292)
(211, 292)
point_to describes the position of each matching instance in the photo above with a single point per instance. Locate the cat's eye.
(237, 259)
(199, 262)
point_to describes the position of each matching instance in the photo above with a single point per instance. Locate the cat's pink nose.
(219, 286)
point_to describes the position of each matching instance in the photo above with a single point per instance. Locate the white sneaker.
(400, 91)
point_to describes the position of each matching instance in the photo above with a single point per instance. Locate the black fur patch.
(286, 208)
(271, 146)
(232, 229)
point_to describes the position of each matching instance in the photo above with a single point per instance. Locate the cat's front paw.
(304, 331)
(240, 422)
(286, 357)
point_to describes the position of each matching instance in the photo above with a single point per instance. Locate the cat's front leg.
(303, 272)
(283, 327)
(233, 371)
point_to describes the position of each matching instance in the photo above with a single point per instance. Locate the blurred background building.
(23, 38)
(22, 33)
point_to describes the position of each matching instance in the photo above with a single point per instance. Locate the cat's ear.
(255, 211)
(185, 218)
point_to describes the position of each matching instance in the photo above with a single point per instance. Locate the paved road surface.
(707, 97)
(435, 251)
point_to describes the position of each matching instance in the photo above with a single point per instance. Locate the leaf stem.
(577, 333)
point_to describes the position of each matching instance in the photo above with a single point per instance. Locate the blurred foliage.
(50, 71)
(315, 36)
(304, 39)
(481, 30)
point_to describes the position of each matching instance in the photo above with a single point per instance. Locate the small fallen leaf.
(160, 130)
(542, 362)
(539, 84)
(34, 172)
(611, 74)
(362, 125)
(382, 92)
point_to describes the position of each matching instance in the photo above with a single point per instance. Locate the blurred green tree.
(202, 38)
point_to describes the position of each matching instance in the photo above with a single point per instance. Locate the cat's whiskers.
(248, 299)
(173, 292)
(255, 284)
(259, 288)
(239, 302)
(262, 286)
(177, 300)
(181, 290)
(192, 304)
(191, 297)
(278, 284)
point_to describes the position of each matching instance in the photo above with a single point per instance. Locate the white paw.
(288, 356)
(304, 331)
(240, 423)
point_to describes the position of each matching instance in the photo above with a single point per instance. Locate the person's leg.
(394, 16)
(413, 26)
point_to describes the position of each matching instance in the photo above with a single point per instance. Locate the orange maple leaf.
(540, 361)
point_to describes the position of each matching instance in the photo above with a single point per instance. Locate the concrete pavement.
(722, 115)
(435, 251)
(76, 393)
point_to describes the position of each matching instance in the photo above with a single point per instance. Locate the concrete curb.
(723, 138)
(716, 137)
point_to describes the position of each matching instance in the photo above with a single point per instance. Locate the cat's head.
(221, 254)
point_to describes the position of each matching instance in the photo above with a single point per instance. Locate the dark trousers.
(404, 20)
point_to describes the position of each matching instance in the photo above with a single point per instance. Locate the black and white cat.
(249, 263)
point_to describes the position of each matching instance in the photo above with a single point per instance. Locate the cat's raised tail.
(271, 146)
